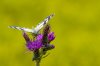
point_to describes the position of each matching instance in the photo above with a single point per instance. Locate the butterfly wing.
(37, 28)
(45, 21)
(22, 28)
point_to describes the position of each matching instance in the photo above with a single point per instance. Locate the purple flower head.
(39, 37)
(34, 45)
(51, 36)
(37, 43)
(29, 46)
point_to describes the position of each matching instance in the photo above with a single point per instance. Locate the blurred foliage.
(76, 25)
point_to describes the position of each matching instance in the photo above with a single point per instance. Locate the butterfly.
(37, 28)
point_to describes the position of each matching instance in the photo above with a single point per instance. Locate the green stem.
(37, 63)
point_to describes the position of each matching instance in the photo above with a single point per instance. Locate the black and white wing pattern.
(37, 28)
(21, 28)
(44, 22)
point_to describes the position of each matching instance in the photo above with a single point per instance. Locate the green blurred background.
(76, 25)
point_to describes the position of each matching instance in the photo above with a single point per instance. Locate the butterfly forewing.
(45, 21)
(21, 28)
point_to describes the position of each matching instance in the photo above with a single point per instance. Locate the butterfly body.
(37, 28)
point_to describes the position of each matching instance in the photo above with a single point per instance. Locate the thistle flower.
(39, 37)
(32, 45)
(37, 44)
(51, 36)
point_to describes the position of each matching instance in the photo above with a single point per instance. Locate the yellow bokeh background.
(76, 25)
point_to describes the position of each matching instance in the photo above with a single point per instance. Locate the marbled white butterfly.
(37, 28)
